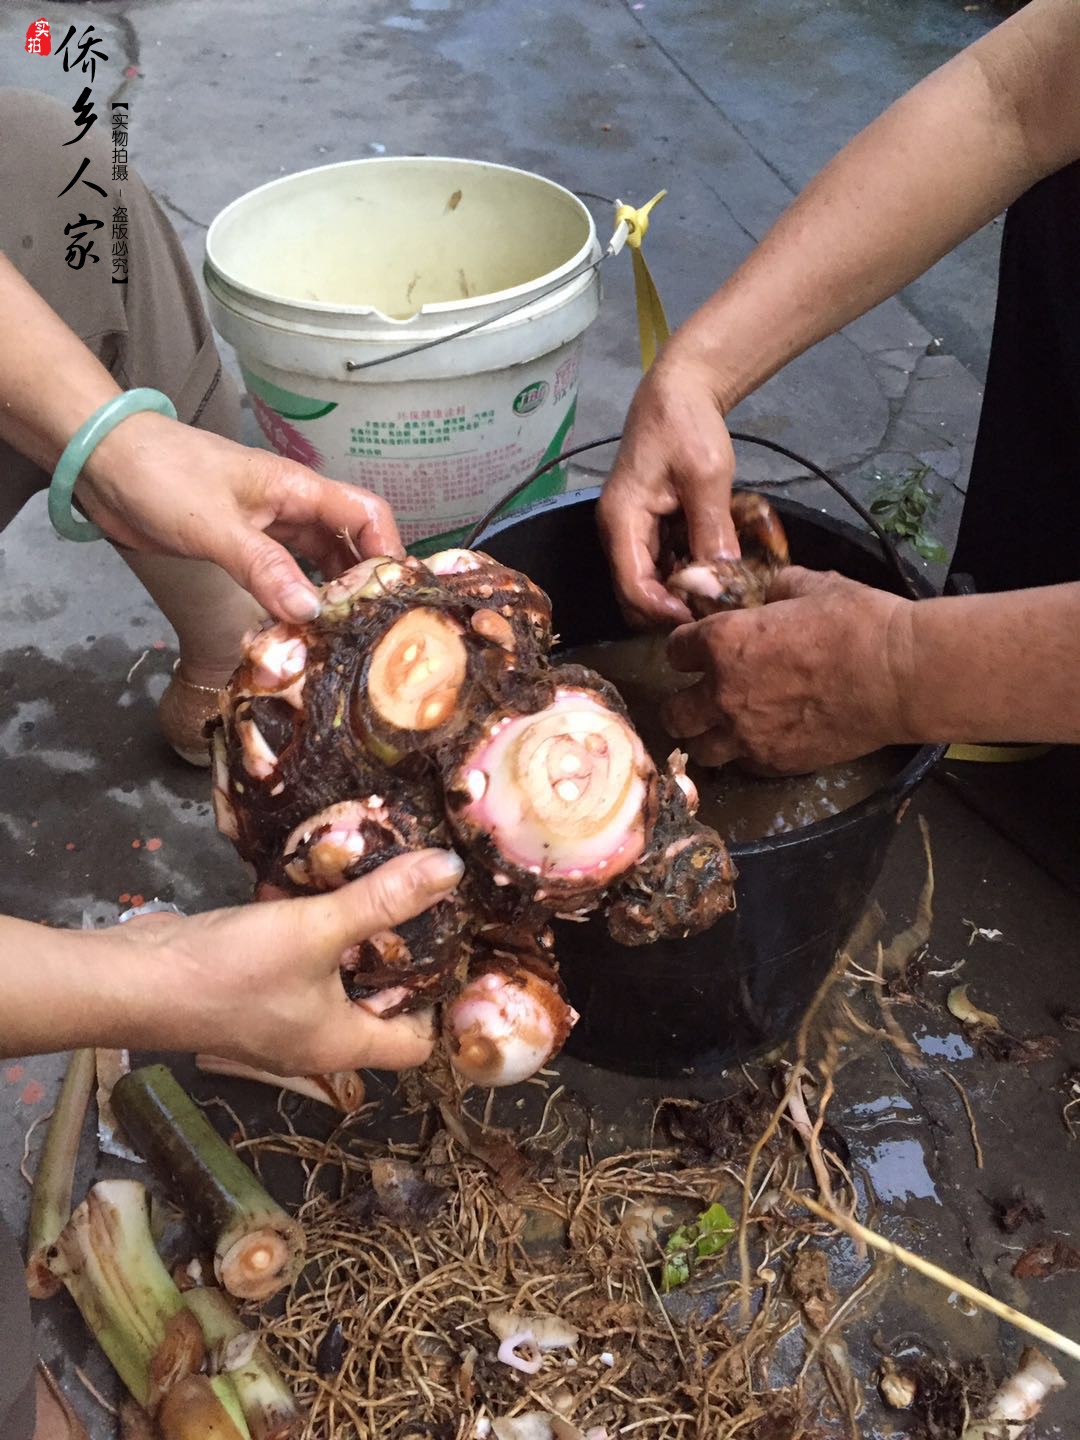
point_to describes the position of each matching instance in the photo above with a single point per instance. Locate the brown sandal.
(183, 714)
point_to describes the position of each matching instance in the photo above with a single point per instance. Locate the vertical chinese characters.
(120, 245)
(120, 173)
(84, 53)
(120, 140)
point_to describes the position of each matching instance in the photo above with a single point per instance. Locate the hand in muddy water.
(675, 455)
(741, 806)
(812, 677)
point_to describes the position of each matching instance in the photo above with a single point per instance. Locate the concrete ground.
(731, 108)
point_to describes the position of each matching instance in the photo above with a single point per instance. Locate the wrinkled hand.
(675, 455)
(814, 676)
(165, 488)
(261, 983)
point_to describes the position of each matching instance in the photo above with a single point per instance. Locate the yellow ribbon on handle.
(996, 754)
(652, 322)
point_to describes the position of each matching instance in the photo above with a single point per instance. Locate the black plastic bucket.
(741, 988)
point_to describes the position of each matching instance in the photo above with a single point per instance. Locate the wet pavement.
(732, 112)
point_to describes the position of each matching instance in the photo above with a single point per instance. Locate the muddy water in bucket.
(739, 989)
(741, 807)
(353, 263)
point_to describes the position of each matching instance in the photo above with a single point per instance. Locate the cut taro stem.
(224, 813)
(202, 1409)
(258, 1248)
(416, 671)
(505, 1026)
(458, 562)
(105, 1256)
(564, 793)
(260, 761)
(269, 1406)
(50, 1205)
(677, 770)
(277, 656)
(369, 580)
(342, 1089)
(494, 627)
(321, 849)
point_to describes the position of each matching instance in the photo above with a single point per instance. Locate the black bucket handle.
(892, 555)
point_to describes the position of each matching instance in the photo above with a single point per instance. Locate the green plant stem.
(258, 1248)
(50, 1204)
(105, 1255)
(269, 1406)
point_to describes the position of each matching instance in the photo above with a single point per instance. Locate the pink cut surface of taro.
(423, 708)
(285, 438)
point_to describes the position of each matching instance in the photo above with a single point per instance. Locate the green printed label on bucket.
(373, 436)
(531, 398)
(554, 482)
(288, 405)
(542, 488)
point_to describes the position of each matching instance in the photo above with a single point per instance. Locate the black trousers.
(1021, 521)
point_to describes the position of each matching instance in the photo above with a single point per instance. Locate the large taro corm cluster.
(422, 708)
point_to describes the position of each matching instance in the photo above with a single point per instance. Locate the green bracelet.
(82, 445)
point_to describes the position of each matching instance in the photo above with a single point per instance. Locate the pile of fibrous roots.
(422, 708)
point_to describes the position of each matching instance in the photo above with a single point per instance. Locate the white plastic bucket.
(363, 259)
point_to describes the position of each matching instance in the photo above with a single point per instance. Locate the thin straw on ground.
(943, 1277)
(413, 1302)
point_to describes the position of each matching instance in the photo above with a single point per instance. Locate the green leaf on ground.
(708, 1235)
(904, 505)
(676, 1272)
(715, 1229)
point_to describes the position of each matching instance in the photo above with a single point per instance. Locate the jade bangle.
(82, 445)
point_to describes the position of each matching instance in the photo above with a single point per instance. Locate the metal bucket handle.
(892, 555)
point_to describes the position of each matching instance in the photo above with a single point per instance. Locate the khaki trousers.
(152, 331)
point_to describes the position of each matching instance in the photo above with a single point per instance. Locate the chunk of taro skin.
(416, 964)
(683, 896)
(419, 962)
(225, 816)
(708, 586)
(398, 969)
(685, 881)
(507, 1022)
